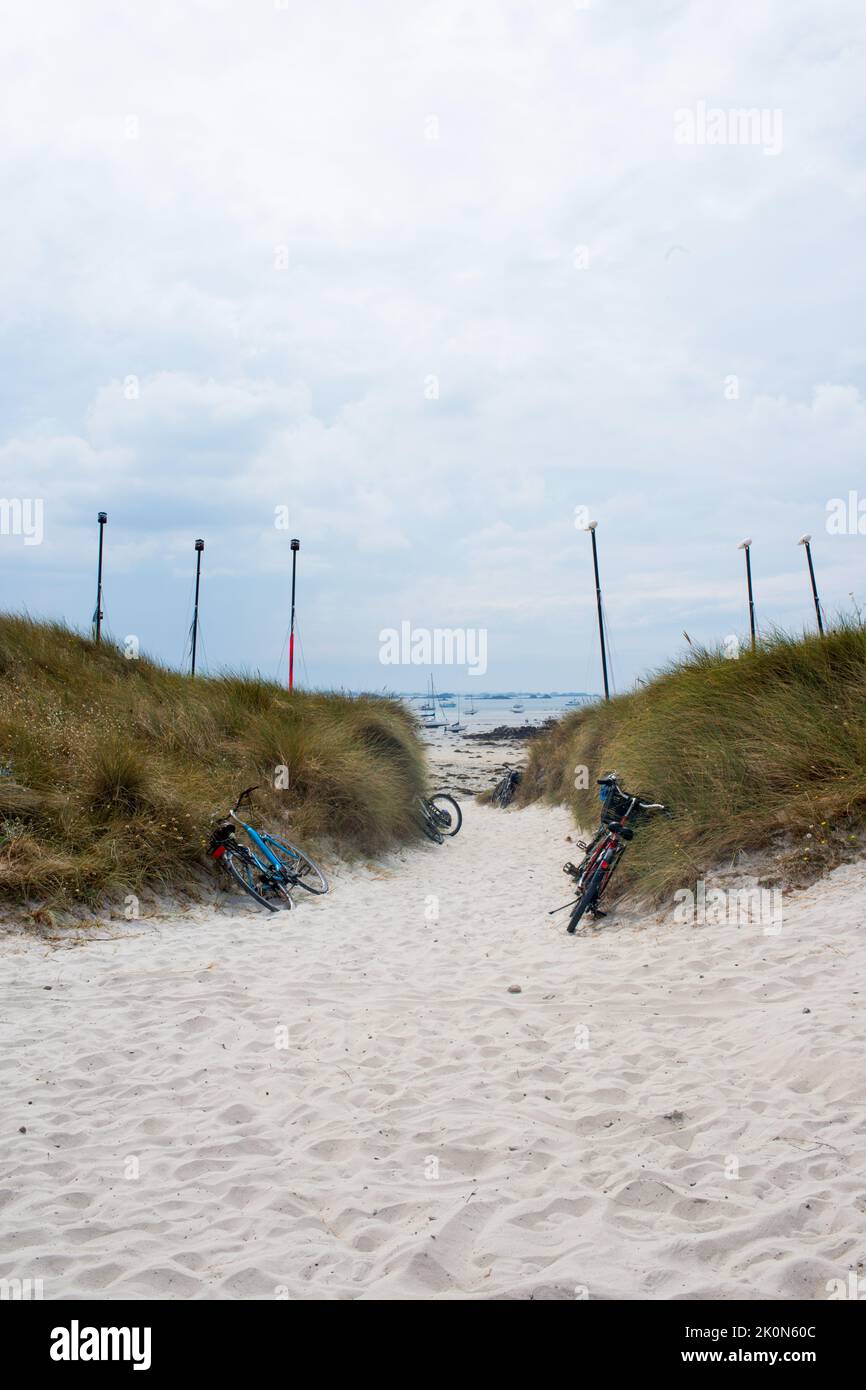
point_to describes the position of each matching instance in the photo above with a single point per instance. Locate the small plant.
(119, 781)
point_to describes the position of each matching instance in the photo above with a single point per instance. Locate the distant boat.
(457, 726)
(472, 703)
(430, 721)
(518, 709)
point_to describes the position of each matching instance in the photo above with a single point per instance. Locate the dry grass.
(114, 770)
(765, 751)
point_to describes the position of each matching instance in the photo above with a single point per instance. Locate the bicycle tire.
(455, 815)
(588, 899)
(298, 865)
(227, 860)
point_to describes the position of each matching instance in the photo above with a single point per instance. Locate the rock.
(514, 989)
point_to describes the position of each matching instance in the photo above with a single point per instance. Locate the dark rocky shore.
(509, 733)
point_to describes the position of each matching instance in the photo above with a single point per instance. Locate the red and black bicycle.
(606, 848)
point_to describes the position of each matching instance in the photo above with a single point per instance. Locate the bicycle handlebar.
(243, 796)
(613, 780)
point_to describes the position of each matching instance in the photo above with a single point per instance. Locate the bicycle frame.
(605, 850)
(608, 855)
(261, 841)
(604, 855)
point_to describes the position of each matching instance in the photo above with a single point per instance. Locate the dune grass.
(766, 751)
(112, 771)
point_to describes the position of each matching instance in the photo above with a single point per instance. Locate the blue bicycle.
(271, 869)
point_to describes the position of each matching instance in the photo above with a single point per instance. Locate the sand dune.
(347, 1102)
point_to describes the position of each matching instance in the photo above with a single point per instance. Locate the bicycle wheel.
(447, 815)
(299, 867)
(241, 866)
(587, 899)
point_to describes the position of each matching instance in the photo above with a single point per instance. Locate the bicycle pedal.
(581, 844)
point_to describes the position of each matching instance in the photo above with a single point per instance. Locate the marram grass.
(765, 752)
(112, 771)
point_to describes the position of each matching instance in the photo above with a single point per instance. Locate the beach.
(419, 1087)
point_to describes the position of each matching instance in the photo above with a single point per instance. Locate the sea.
(496, 708)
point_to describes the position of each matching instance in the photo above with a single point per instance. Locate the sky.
(428, 286)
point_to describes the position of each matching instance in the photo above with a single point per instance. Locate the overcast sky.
(432, 276)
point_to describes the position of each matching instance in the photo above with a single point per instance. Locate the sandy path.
(424, 1132)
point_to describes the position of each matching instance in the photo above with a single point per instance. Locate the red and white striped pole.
(296, 545)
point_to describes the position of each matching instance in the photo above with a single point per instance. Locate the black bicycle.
(503, 792)
(439, 816)
(605, 849)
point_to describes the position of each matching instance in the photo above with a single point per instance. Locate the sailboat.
(472, 703)
(457, 726)
(430, 721)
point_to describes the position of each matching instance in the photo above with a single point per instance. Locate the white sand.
(425, 1133)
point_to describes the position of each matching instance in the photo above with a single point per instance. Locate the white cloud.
(163, 166)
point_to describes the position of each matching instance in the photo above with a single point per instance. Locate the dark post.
(296, 545)
(806, 541)
(591, 529)
(199, 547)
(747, 546)
(101, 518)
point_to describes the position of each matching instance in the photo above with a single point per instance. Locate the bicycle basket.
(614, 803)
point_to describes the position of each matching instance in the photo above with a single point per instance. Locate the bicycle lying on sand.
(438, 816)
(270, 869)
(605, 849)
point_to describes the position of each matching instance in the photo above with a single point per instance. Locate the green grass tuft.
(113, 771)
(768, 750)
(119, 781)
